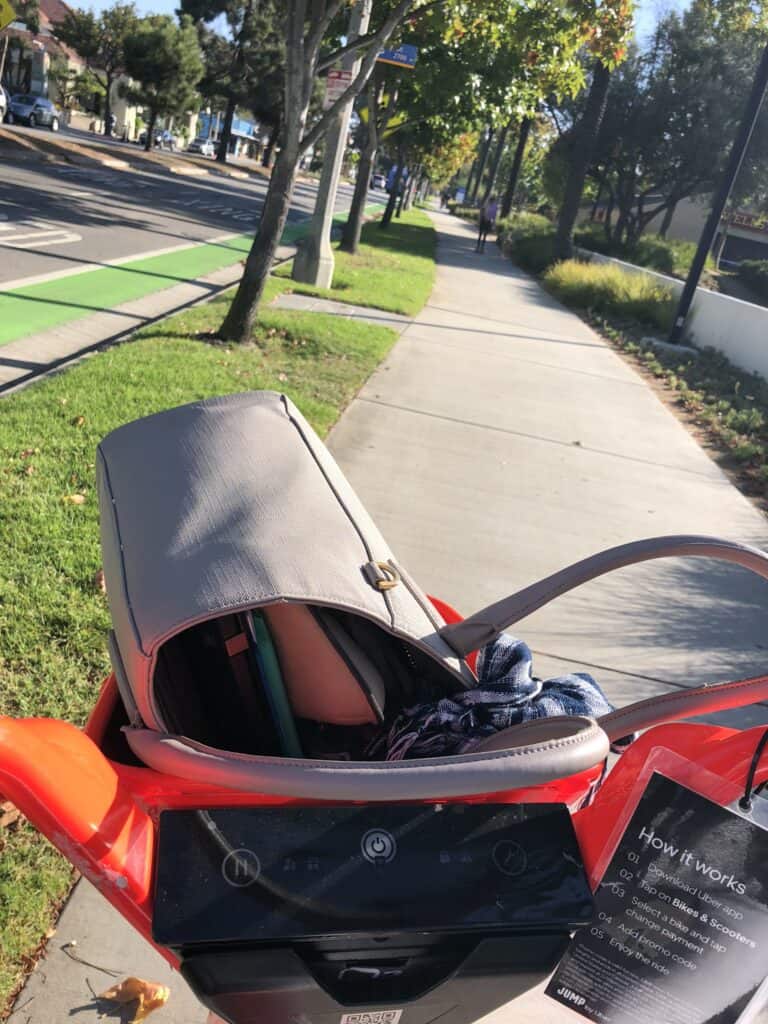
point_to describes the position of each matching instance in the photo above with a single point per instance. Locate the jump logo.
(569, 996)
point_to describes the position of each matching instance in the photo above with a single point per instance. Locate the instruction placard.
(680, 932)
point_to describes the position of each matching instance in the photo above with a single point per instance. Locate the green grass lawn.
(394, 269)
(53, 615)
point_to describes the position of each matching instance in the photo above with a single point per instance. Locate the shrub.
(528, 238)
(755, 274)
(463, 210)
(611, 291)
(534, 253)
(665, 255)
(517, 225)
(668, 256)
(592, 237)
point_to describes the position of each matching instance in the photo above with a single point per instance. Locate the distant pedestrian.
(488, 213)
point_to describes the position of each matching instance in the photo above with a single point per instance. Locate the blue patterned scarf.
(507, 693)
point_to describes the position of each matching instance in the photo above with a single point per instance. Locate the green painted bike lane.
(40, 307)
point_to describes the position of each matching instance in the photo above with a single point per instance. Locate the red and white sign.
(336, 85)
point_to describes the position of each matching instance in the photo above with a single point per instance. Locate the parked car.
(33, 110)
(379, 181)
(3, 103)
(203, 146)
(142, 139)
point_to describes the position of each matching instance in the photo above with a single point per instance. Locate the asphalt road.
(60, 216)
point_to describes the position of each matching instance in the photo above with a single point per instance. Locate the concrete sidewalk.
(501, 440)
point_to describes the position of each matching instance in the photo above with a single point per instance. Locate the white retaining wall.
(737, 329)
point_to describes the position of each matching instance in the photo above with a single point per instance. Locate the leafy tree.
(446, 160)
(71, 83)
(28, 13)
(15, 54)
(487, 70)
(244, 68)
(163, 57)
(374, 116)
(608, 31)
(522, 168)
(308, 29)
(668, 110)
(100, 40)
(581, 148)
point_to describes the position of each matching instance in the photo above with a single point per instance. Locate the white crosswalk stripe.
(34, 234)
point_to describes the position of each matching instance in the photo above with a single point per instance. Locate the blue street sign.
(403, 57)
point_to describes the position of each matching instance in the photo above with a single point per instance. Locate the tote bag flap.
(234, 503)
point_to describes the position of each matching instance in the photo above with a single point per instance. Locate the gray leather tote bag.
(234, 504)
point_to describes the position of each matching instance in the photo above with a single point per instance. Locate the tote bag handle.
(485, 625)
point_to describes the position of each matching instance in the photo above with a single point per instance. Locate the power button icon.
(378, 846)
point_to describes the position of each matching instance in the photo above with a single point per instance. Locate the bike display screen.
(263, 874)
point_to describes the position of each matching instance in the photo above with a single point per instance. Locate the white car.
(3, 104)
(203, 146)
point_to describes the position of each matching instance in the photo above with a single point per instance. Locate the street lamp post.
(735, 159)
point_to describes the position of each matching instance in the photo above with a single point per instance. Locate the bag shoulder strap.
(485, 625)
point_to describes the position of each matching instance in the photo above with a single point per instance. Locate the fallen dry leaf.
(150, 995)
(99, 582)
(282, 376)
(8, 814)
(78, 421)
(74, 499)
(29, 452)
(30, 470)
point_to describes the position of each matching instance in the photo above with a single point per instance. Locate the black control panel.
(284, 874)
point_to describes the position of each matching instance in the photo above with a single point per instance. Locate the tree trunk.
(350, 238)
(150, 140)
(108, 105)
(410, 191)
(621, 226)
(481, 166)
(386, 220)
(470, 178)
(517, 163)
(581, 157)
(666, 222)
(721, 239)
(226, 131)
(609, 208)
(238, 323)
(495, 163)
(266, 159)
(596, 204)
